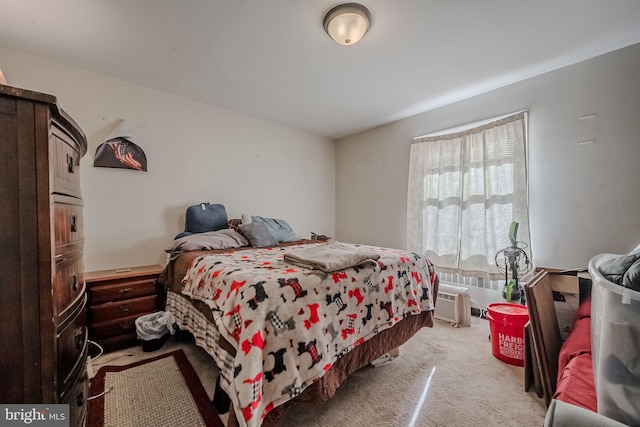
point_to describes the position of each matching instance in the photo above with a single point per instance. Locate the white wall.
(584, 199)
(195, 152)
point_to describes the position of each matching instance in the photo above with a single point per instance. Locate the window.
(465, 188)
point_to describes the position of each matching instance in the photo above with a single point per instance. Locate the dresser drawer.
(114, 328)
(68, 285)
(72, 350)
(66, 163)
(68, 225)
(76, 398)
(119, 341)
(124, 308)
(122, 290)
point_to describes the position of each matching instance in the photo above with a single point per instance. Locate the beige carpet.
(444, 377)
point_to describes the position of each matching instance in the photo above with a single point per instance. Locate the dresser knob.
(125, 290)
(80, 398)
(125, 307)
(74, 223)
(74, 281)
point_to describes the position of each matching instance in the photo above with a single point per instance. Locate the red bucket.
(506, 322)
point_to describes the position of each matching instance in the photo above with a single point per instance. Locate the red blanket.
(576, 383)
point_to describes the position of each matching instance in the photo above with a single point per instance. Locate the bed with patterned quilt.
(287, 323)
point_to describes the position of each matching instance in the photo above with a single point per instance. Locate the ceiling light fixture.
(347, 23)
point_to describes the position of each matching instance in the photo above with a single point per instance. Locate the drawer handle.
(79, 337)
(74, 223)
(80, 398)
(125, 290)
(70, 163)
(126, 325)
(125, 307)
(74, 281)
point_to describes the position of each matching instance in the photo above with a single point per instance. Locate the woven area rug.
(160, 391)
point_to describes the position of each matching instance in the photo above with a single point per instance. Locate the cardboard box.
(566, 294)
(566, 281)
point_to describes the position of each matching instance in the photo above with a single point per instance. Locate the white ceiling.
(271, 59)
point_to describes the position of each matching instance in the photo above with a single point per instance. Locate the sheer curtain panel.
(465, 189)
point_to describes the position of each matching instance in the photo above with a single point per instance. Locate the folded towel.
(330, 257)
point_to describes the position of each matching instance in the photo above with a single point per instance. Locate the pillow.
(278, 228)
(221, 239)
(204, 217)
(258, 234)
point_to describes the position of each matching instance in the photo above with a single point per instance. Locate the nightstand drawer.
(125, 308)
(114, 328)
(122, 290)
(119, 341)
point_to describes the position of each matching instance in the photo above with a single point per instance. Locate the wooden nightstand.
(116, 299)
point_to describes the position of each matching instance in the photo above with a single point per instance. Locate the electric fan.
(515, 260)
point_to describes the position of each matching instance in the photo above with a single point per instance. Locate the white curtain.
(464, 191)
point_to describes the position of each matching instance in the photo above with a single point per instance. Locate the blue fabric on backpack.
(204, 217)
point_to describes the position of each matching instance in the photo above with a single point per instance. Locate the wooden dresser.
(116, 299)
(43, 348)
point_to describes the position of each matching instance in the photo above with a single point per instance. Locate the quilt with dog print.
(289, 324)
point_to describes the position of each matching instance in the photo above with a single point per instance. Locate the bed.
(284, 335)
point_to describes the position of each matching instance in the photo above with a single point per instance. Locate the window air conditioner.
(453, 305)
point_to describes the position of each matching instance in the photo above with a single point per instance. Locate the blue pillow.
(279, 228)
(257, 234)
